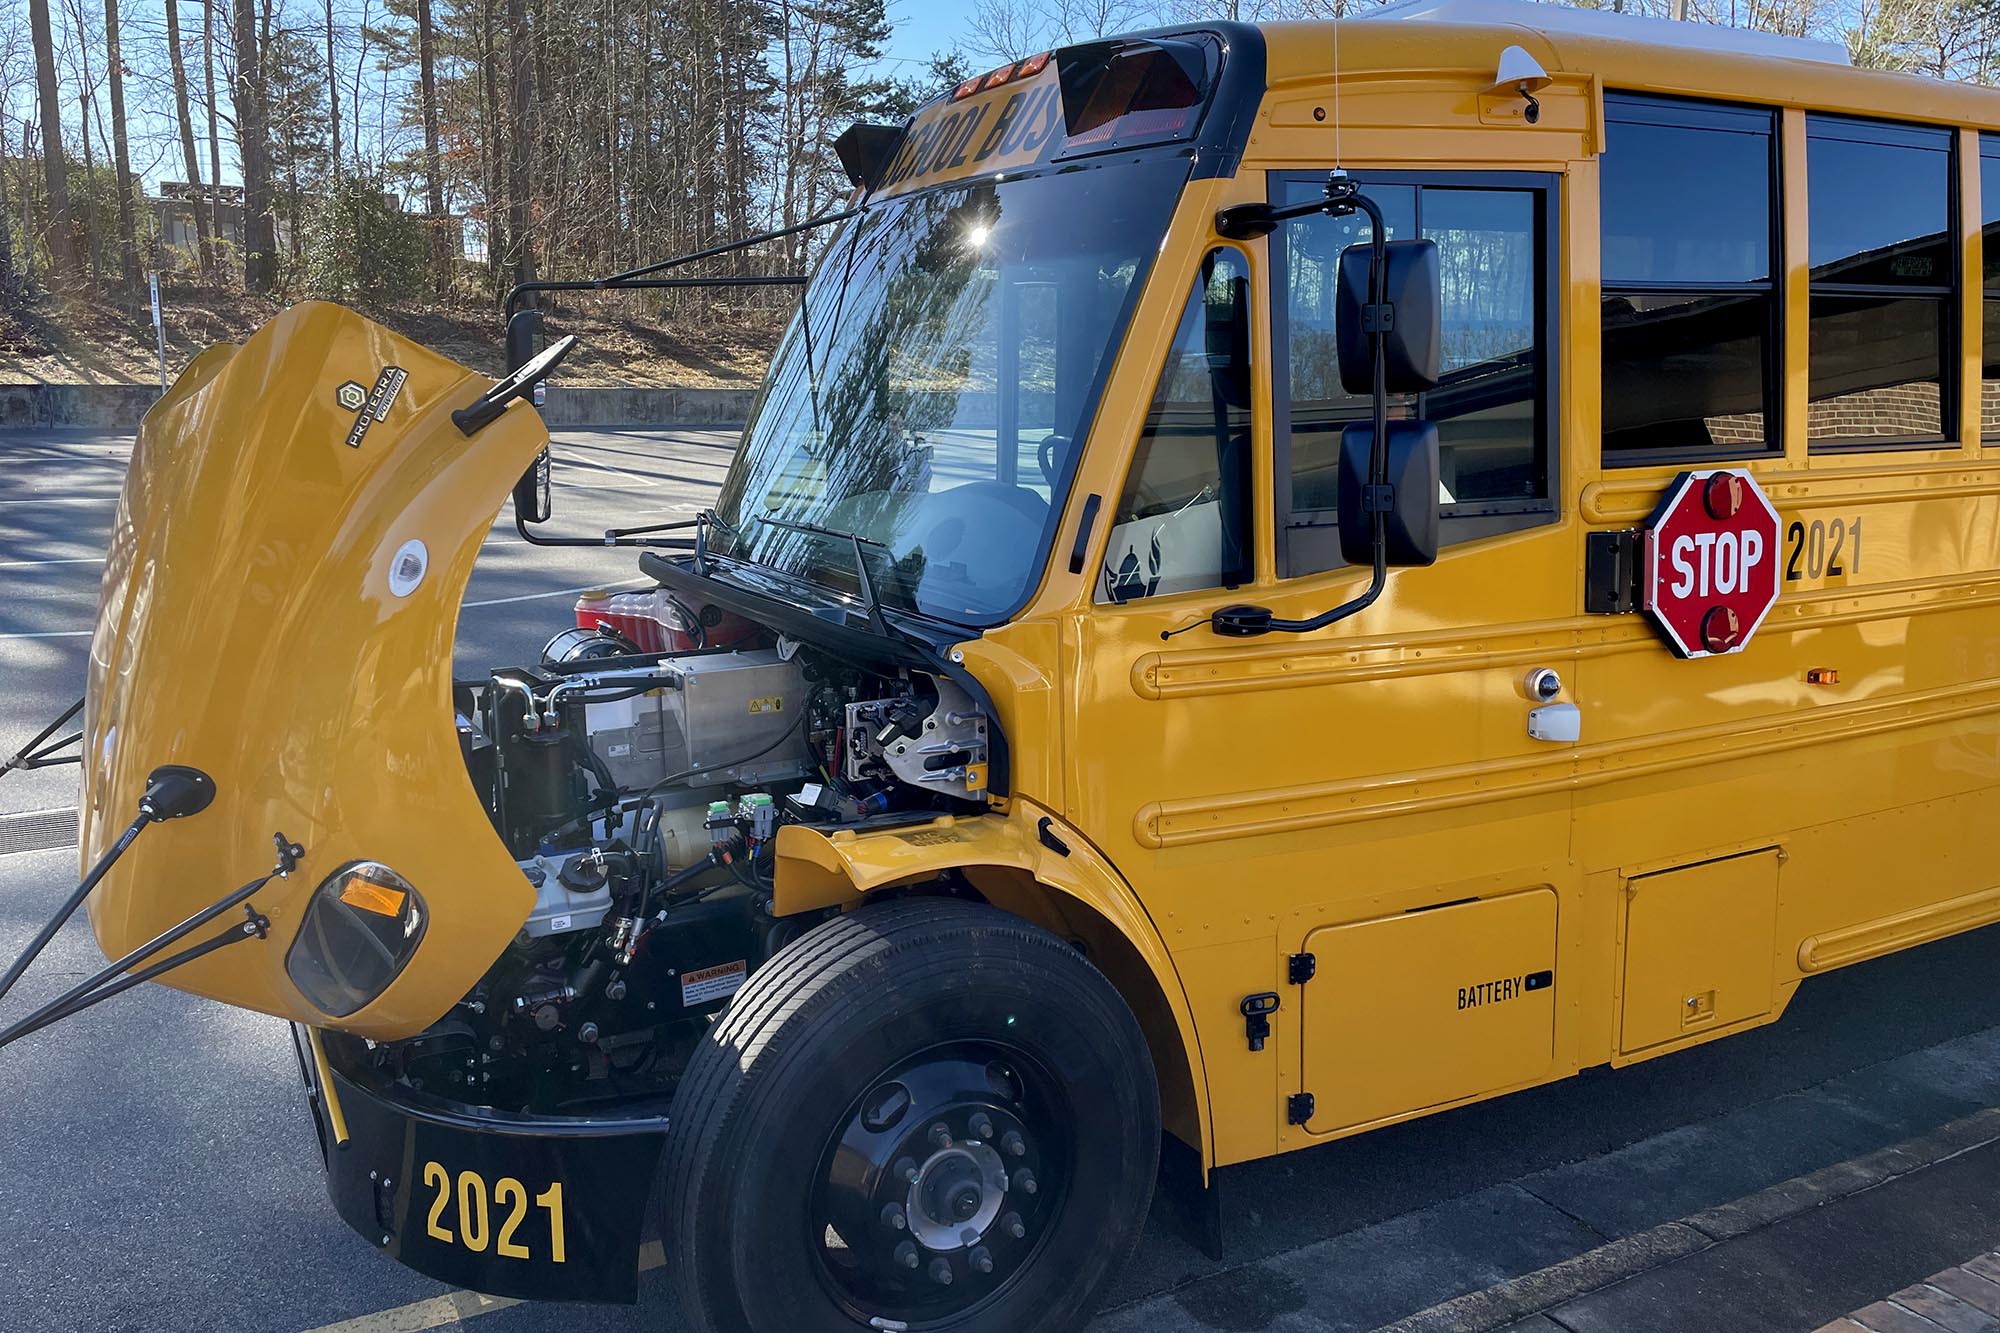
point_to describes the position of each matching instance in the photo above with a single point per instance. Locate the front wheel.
(923, 1115)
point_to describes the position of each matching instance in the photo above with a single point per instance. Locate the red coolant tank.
(657, 621)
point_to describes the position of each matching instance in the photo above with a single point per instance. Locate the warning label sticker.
(713, 983)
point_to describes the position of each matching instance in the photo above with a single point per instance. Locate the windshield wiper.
(867, 583)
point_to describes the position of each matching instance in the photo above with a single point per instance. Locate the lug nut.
(587, 1034)
(982, 1126)
(892, 1217)
(940, 1135)
(1014, 1145)
(981, 1259)
(1026, 1180)
(1012, 1225)
(941, 1272)
(906, 1167)
(906, 1254)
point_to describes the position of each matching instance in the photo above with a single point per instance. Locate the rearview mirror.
(1413, 294)
(1410, 525)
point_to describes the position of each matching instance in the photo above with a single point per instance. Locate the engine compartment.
(640, 790)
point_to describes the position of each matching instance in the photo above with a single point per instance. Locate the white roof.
(1554, 20)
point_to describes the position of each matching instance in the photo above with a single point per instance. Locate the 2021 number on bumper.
(538, 1207)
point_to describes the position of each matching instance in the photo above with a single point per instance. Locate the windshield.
(930, 393)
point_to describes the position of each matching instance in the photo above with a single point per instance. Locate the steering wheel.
(1046, 456)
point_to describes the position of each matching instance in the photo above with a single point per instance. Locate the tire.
(928, 1060)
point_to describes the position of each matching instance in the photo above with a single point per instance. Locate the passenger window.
(1183, 522)
(1690, 309)
(1490, 407)
(1882, 283)
(1989, 226)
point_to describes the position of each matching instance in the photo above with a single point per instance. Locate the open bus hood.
(249, 625)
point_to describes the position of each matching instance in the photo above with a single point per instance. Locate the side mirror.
(1413, 295)
(1410, 527)
(534, 493)
(534, 498)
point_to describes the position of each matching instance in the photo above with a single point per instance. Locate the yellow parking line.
(454, 1306)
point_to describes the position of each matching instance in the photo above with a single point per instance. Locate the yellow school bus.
(1282, 580)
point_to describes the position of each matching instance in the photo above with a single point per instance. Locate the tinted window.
(1989, 226)
(1183, 522)
(1875, 367)
(1883, 278)
(1690, 313)
(1879, 211)
(1489, 404)
(1656, 229)
(1687, 372)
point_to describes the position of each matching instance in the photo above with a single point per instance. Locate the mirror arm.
(1243, 621)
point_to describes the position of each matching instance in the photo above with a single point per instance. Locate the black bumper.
(534, 1207)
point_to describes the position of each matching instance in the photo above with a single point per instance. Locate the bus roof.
(1625, 51)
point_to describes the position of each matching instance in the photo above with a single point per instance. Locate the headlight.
(362, 925)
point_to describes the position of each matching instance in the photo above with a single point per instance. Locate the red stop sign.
(1709, 562)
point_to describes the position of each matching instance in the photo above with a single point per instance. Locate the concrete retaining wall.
(103, 406)
(119, 406)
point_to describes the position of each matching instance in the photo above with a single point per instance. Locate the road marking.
(559, 592)
(30, 564)
(455, 1306)
(66, 500)
(53, 634)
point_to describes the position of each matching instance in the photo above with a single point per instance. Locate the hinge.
(1611, 572)
(1257, 1010)
(1298, 1108)
(1303, 968)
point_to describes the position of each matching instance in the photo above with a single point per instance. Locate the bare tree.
(190, 159)
(214, 129)
(521, 137)
(55, 163)
(121, 156)
(253, 147)
(433, 161)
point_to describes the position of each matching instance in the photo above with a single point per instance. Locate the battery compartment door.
(1429, 1007)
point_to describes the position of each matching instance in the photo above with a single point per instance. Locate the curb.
(1531, 1294)
(38, 830)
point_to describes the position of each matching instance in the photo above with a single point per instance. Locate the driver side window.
(1183, 523)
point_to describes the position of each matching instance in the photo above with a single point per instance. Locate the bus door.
(1363, 806)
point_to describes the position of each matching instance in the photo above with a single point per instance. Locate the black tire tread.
(737, 1051)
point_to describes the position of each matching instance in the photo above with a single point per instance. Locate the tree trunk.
(332, 94)
(86, 90)
(489, 77)
(253, 146)
(8, 285)
(27, 206)
(520, 134)
(55, 164)
(190, 159)
(128, 235)
(433, 166)
(214, 134)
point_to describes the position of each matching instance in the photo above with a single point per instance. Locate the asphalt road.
(157, 1170)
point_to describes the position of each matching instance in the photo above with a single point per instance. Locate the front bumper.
(533, 1207)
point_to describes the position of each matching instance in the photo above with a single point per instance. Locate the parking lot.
(158, 1171)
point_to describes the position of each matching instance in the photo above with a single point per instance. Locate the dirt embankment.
(105, 339)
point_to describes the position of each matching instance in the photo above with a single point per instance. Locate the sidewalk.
(1965, 1299)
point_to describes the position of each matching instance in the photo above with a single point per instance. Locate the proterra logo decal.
(351, 396)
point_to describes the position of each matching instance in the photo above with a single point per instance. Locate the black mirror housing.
(1410, 527)
(533, 499)
(1412, 342)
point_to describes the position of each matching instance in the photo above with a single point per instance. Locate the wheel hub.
(957, 1195)
(941, 1184)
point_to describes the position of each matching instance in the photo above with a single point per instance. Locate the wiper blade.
(867, 583)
